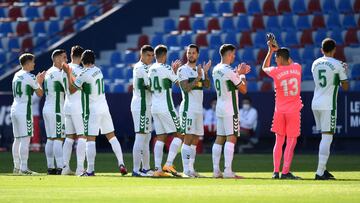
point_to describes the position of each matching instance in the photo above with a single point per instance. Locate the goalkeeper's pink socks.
(288, 154)
(277, 152)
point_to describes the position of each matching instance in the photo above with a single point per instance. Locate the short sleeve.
(235, 78)
(182, 74)
(80, 80)
(270, 70)
(33, 83)
(342, 72)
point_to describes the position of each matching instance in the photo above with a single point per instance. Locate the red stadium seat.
(245, 40)
(184, 24)
(79, 11)
(314, 6)
(339, 54)
(261, 56)
(258, 23)
(284, 7)
(68, 27)
(357, 6)
(195, 8)
(142, 40)
(306, 38)
(213, 24)
(269, 8)
(318, 22)
(22, 28)
(27, 44)
(351, 37)
(201, 40)
(239, 7)
(15, 12)
(49, 12)
(266, 86)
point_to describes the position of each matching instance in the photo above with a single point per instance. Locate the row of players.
(86, 110)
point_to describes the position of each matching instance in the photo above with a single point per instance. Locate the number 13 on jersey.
(291, 83)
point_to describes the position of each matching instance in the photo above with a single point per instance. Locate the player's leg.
(16, 144)
(199, 133)
(186, 152)
(49, 146)
(159, 143)
(278, 127)
(90, 155)
(24, 155)
(193, 146)
(80, 154)
(139, 120)
(58, 153)
(68, 144)
(146, 156)
(217, 147)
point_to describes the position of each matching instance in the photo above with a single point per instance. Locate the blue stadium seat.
(199, 24)
(2, 12)
(308, 55)
(295, 55)
(252, 86)
(272, 23)
(260, 39)
(53, 27)
(204, 55)
(320, 34)
(228, 24)
(329, 6)
(298, 7)
(230, 38)
(115, 58)
(344, 6)
(171, 41)
(252, 75)
(356, 86)
(287, 22)
(157, 39)
(5, 28)
(130, 57)
(215, 57)
(333, 21)
(59, 2)
(32, 12)
(336, 34)
(225, 7)
(65, 12)
(185, 39)
(93, 9)
(253, 7)
(2, 57)
(119, 88)
(39, 28)
(303, 22)
(215, 41)
(114, 73)
(248, 56)
(210, 9)
(243, 23)
(355, 72)
(291, 39)
(40, 42)
(169, 25)
(79, 24)
(172, 56)
(13, 44)
(349, 21)
(128, 73)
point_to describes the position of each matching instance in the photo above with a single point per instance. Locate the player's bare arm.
(71, 78)
(40, 79)
(243, 69)
(206, 68)
(345, 83)
(271, 50)
(188, 86)
(175, 66)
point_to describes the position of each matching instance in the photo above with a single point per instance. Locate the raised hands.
(243, 68)
(272, 46)
(66, 67)
(175, 65)
(40, 77)
(206, 66)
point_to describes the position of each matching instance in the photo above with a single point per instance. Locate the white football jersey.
(161, 78)
(23, 86)
(91, 81)
(327, 73)
(54, 91)
(141, 98)
(193, 100)
(226, 82)
(72, 103)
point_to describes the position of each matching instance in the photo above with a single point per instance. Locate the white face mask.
(246, 106)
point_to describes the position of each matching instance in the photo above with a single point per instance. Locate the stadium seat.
(49, 12)
(171, 41)
(351, 37)
(228, 24)
(320, 35)
(260, 57)
(253, 7)
(303, 22)
(117, 73)
(185, 40)
(6, 28)
(336, 34)
(142, 40)
(242, 23)
(349, 21)
(258, 23)
(308, 55)
(245, 40)
(215, 57)
(169, 25)
(22, 28)
(68, 27)
(203, 56)
(344, 6)
(27, 44)
(239, 7)
(184, 24)
(230, 38)
(355, 86)
(248, 56)
(79, 11)
(252, 86)
(115, 58)
(306, 38)
(119, 88)
(215, 41)
(329, 6)
(15, 12)
(130, 57)
(195, 8)
(298, 7)
(355, 72)
(53, 27)
(307, 74)
(287, 22)
(291, 39)
(40, 43)
(224, 7)
(2, 57)
(173, 56)
(157, 39)
(272, 23)
(295, 55)
(201, 40)
(356, 6)
(93, 10)
(198, 24)
(269, 8)
(13, 44)
(65, 12)
(284, 7)
(79, 24)
(38, 28)
(266, 86)
(314, 6)
(318, 21)
(213, 24)
(333, 21)
(210, 8)
(2, 13)
(260, 39)
(32, 12)
(339, 54)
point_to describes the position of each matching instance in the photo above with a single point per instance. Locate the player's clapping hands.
(243, 68)
(175, 65)
(40, 77)
(66, 67)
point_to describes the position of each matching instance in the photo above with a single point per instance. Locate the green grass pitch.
(109, 186)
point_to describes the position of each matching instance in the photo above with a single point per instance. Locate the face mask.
(246, 106)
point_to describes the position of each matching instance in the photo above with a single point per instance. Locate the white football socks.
(15, 152)
(324, 153)
(58, 152)
(192, 158)
(90, 156)
(216, 155)
(67, 149)
(24, 152)
(158, 154)
(228, 156)
(138, 149)
(173, 150)
(49, 152)
(185, 155)
(146, 153)
(115, 145)
(80, 154)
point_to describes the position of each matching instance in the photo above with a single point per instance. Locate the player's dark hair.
(160, 50)
(76, 51)
(193, 46)
(26, 57)
(88, 57)
(56, 53)
(283, 52)
(225, 48)
(146, 48)
(328, 45)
